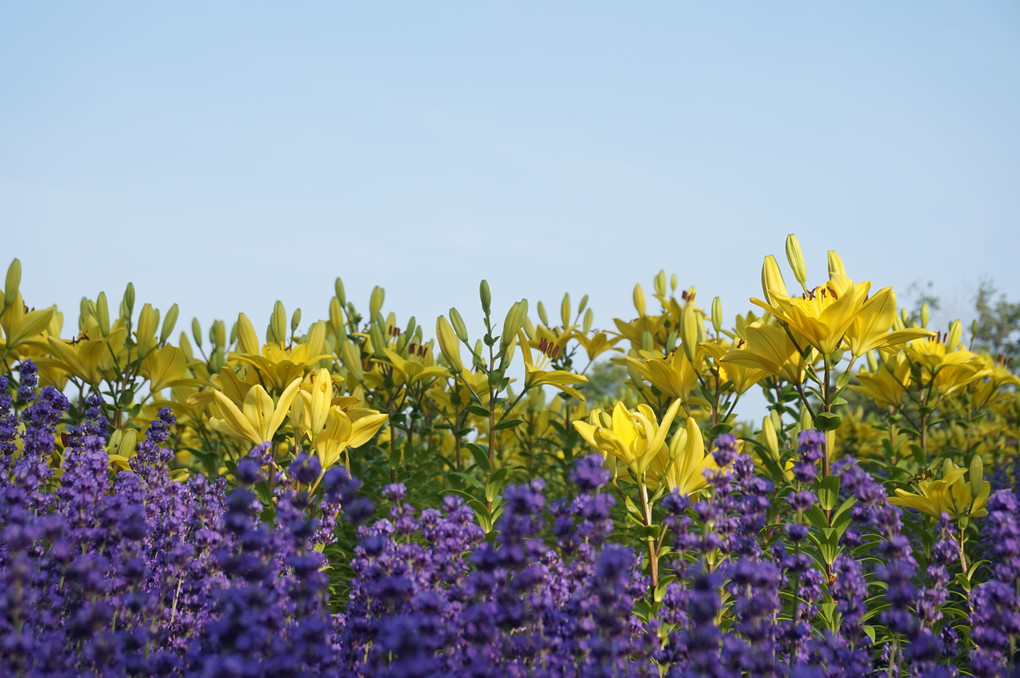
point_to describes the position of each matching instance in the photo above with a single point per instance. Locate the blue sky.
(225, 155)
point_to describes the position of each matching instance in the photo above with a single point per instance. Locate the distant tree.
(605, 383)
(996, 328)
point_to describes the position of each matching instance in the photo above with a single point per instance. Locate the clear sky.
(224, 155)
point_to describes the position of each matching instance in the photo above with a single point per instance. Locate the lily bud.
(647, 343)
(639, 299)
(542, 314)
(185, 345)
(128, 301)
(717, 315)
(660, 283)
(795, 257)
(872, 361)
(168, 323)
(924, 314)
(295, 320)
(196, 331)
(589, 318)
(449, 344)
(977, 474)
(86, 310)
(513, 323)
(769, 437)
(835, 265)
(458, 325)
(583, 305)
(954, 336)
(336, 315)
(103, 314)
(671, 339)
(375, 301)
(341, 295)
(565, 310)
(218, 333)
(276, 331)
(247, 340)
(772, 283)
(12, 282)
(485, 295)
(689, 322)
(351, 359)
(673, 283)
(378, 339)
(148, 321)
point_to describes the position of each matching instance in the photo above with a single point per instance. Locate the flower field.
(379, 497)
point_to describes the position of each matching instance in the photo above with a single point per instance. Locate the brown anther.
(421, 351)
(555, 352)
(410, 348)
(542, 344)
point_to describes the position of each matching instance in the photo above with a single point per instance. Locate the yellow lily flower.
(632, 437)
(887, 385)
(684, 465)
(279, 364)
(769, 348)
(951, 494)
(741, 376)
(822, 316)
(870, 327)
(258, 419)
(314, 400)
(21, 325)
(415, 368)
(537, 375)
(343, 430)
(951, 370)
(165, 367)
(597, 344)
(673, 375)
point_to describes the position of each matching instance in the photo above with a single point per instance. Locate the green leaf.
(481, 455)
(507, 423)
(495, 486)
(660, 588)
(842, 381)
(478, 409)
(827, 489)
(827, 421)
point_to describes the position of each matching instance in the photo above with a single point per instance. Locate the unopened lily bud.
(639, 299)
(924, 314)
(835, 265)
(977, 474)
(218, 333)
(954, 335)
(717, 315)
(772, 283)
(647, 343)
(336, 315)
(351, 359)
(660, 283)
(276, 331)
(86, 310)
(185, 345)
(513, 323)
(689, 321)
(295, 320)
(486, 296)
(378, 339)
(673, 283)
(769, 437)
(458, 325)
(795, 257)
(375, 301)
(247, 340)
(233, 335)
(565, 310)
(168, 323)
(589, 318)
(196, 331)
(412, 327)
(341, 295)
(129, 299)
(529, 328)
(12, 282)
(901, 319)
(103, 314)
(872, 361)
(671, 340)
(583, 305)
(542, 314)
(316, 339)
(449, 344)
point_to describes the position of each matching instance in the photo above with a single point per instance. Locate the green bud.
(529, 327)
(647, 343)
(12, 282)
(276, 332)
(233, 334)
(872, 361)
(583, 305)
(565, 310)
(717, 319)
(513, 322)
(589, 318)
(486, 296)
(185, 345)
(129, 299)
(375, 302)
(835, 265)
(168, 323)
(795, 257)
(86, 310)
(660, 283)
(924, 314)
(103, 314)
(977, 474)
(458, 325)
(351, 359)
(218, 333)
(673, 283)
(336, 315)
(412, 325)
(769, 437)
(542, 314)
(772, 282)
(375, 333)
(954, 336)
(295, 320)
(341, 295)
(196, 331)
(671, 340)
(689, 321)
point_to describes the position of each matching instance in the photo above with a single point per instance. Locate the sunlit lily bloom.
(535, 374)
(951, 370)
(21, 325)
(259, 418)
(672, 375)
(950, 494)
(768, 347)
(684, 466)
(633, 437)
(888, 383)
(343, 430)
(870, 327)
(414, 368)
